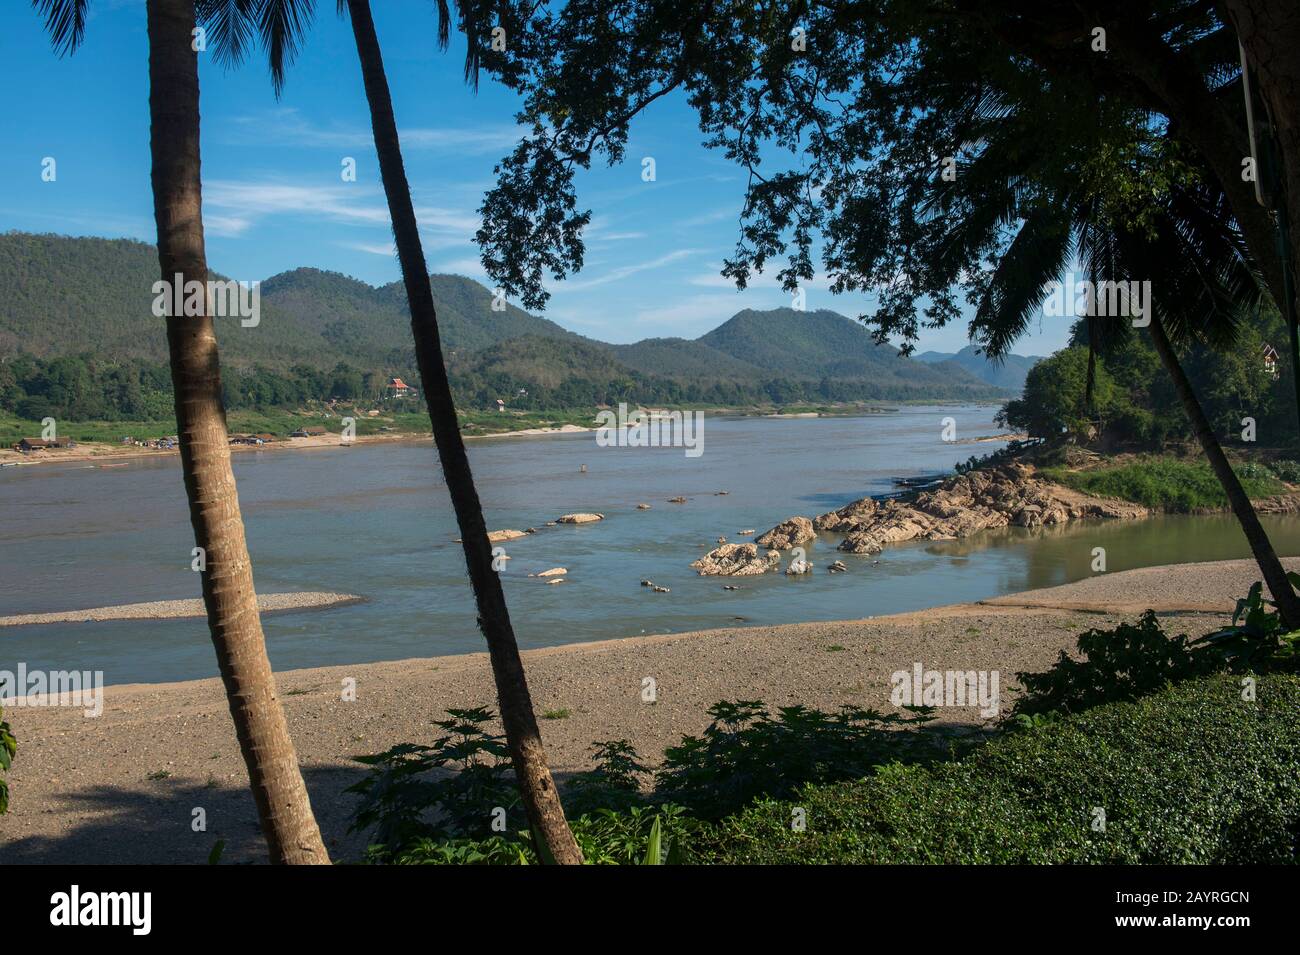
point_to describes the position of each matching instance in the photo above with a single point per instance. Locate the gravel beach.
(124, 787)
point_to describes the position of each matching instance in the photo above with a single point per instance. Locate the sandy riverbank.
(105, 454)
(122, 787)
(171, 609)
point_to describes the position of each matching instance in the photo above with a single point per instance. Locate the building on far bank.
(27, 445)
(397, 388)
(1270, 362)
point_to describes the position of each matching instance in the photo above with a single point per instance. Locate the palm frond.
(283, 24)
(230, 25)
(65, 21)
(1018, 286)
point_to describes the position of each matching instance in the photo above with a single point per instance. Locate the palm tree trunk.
(1288, 604)
(283, 806)
(541, 801)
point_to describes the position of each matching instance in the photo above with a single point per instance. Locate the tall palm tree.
(283, 806)
(282, 24)
(541, 801)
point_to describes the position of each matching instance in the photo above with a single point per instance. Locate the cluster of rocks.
(962, 505)
(737, 560)
(1009, 494)
(509, 534)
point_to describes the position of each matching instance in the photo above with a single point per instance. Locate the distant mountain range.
(75, 296)
(1009, 374)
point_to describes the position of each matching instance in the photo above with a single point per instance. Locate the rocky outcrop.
(958, 507)
(787, 534)
(736, 560)
(579, 518)
(497, 537)
(1281, 504)
(851, 517)
(965, 504)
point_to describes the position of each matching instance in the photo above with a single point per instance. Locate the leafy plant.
(1121, 664)
(1285, 470)
(1135, 659)
(746, 753)
(614, 783)
(642, 835)
(412, 793)
(8, 747)
(1189, 775)
(1256, 638)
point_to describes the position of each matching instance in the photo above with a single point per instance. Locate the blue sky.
(274, 198)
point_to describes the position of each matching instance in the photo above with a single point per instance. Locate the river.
(375, 520)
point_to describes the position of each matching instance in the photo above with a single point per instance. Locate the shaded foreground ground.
(125, 787)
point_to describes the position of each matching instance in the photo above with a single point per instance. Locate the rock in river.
(736, 560)
(788, 534)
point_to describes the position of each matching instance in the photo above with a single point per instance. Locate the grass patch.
(1169, 484)
(561, 714)
(1190, 775)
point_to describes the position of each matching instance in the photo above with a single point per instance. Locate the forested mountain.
(1010, 374)
(825, 344)
(684, 358)
(78, 337)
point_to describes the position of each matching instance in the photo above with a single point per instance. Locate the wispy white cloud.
(288, 127)
(625, 271)
(374, 248)
(232, 209)
(346, 202)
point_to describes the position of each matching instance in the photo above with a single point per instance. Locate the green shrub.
(1285, 470)
(1256, 639)
(411, 793)
(1160, 482)
(1193, 774)
(605, 837)
(613, 784)
(745, 753)
(1120, 664)
(8, 747)
(1135, 659)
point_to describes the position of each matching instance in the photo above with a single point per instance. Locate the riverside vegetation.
(1066, 777)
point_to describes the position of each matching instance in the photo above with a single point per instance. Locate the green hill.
(78, 338)
(683, 358)
(72, 295)
(825, 344)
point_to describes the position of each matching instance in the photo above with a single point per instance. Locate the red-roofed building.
(399, 389)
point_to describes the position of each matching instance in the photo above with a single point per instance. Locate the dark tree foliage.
(924, 151)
